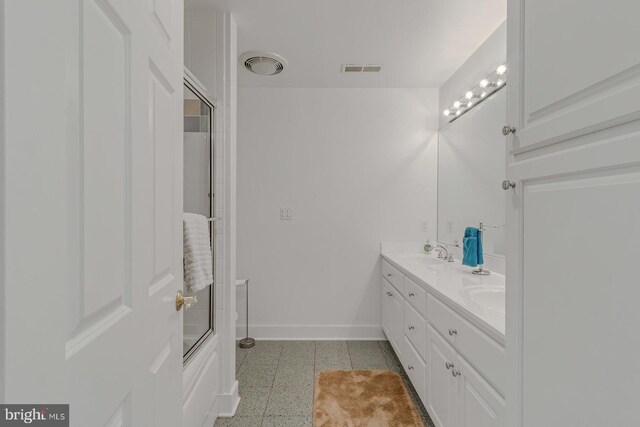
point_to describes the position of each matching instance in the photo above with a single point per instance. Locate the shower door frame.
(197, 88)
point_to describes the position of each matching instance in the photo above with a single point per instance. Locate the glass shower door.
(198, 199)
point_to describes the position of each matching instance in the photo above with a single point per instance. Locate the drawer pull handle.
(411, 294)
(452, 332)
(409, 367)
(448, 365)
(389, 294)
(411, 328)
(455, 372)
(389, 274)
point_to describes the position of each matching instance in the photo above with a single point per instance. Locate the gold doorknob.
(181, 300)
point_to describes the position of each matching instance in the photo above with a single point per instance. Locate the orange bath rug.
(363, 399)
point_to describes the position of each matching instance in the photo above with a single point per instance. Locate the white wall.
(485, 59)
(201, 43)
(358, 166)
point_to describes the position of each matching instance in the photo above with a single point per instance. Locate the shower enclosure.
(198, 199)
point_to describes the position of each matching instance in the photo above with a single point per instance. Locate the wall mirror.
(471, 168)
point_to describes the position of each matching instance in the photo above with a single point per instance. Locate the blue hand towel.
(472, 247)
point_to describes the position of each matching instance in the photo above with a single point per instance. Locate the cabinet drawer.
(416, 295)
(415, 329)
(416, 368)
(393, 275)
(483, 352)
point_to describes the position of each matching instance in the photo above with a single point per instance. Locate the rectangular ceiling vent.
(361, 68)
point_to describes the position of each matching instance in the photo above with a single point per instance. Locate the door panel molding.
(101, 296)
(596, 297)
(602, 94)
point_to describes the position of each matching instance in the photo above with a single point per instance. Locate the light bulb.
(501, 69)
(469, 104)
(468, 95)
(456, 104)
(483, 94)
(499, 83)
(447, 112)
(458, 113)
(484, 83)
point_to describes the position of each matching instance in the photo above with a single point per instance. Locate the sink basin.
(491, 298)
(423, 261)
(432, 265)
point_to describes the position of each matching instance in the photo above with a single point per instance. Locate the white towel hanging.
(198, 261)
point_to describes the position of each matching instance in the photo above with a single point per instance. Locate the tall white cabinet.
(573, 218)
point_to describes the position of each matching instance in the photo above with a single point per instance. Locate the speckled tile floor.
(277, 377)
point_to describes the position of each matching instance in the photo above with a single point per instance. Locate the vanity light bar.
(495, 81)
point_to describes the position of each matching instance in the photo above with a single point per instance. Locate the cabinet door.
(440, 381)
(574, 68)
(478, 404)
(398, 322)
(387, 309)
(579, 326)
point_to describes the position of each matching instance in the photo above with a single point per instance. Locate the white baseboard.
(312, 332)
(228, 402)
(212, 415)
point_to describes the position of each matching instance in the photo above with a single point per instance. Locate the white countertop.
(478, 298)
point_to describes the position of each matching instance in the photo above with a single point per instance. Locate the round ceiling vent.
(263, 63)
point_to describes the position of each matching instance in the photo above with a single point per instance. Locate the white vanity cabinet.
(457, 369)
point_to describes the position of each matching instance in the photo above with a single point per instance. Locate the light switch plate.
(424, 225)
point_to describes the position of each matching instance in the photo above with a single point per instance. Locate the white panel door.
(104, 213)
(574, 68)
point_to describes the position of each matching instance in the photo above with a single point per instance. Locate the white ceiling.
(420, 42)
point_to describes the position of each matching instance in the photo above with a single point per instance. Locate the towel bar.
(481, 271)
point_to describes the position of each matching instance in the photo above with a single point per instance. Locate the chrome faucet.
(439, 248)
